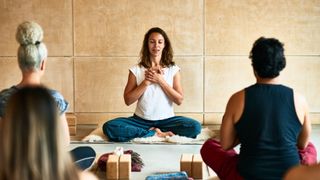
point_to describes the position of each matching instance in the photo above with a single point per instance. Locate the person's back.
(269, 121)
(33, 146)
(268, 131)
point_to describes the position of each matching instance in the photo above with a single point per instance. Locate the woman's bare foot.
(163, 134)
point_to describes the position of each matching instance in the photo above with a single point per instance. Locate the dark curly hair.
(267, 57)
(167, 53)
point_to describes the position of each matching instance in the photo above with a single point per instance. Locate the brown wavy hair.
(32, 141)
(167, 53)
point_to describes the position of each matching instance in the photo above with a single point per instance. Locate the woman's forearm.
(173, 95)
(132, 96)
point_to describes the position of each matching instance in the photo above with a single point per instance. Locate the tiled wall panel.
(223, 77)
(59, 76)
(117, 28)
(192, 84)
(55, 17)
(100, 82)
(232, 26)
(10, 72)
(213, 118)
(302, 74)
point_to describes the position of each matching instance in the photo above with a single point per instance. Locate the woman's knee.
(111, 125)
(111, 129)
(308, 156)
(105, 127)
(209, 146)
(195, 128)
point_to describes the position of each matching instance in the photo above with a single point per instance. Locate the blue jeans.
(125, 129)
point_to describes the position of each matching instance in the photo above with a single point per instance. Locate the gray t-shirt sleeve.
(5, 94)
(62, 104)
(4, 97)
(2, 107)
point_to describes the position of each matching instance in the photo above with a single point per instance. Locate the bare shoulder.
(299, 98)
(237, 96)
(131, 83)
(301, 106)
(236, 105)
(87, 176)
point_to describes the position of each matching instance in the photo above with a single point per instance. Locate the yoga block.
(125, 166)
(72, 123)
(186, 164)
(113, 167)
(197, 167)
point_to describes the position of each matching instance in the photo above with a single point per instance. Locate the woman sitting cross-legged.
(155, 84)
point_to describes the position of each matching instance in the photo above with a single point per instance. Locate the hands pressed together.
(154, 75)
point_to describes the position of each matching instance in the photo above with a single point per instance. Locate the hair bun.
(29, 33)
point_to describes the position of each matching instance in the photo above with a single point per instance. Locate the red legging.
(224, 163)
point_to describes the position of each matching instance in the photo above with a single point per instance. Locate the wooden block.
(72, 123)
(125, 166)
(71, 119)
(186, 164)
(113, 167)
(73, 130)
(197, 167)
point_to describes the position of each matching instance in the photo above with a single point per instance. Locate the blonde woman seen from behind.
(32, 141)
(32, 58)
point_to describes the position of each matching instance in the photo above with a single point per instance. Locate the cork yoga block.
(119, 167)
(113, 167)
(125, 166)
(197, 167)
(186, 163)
(193, 165)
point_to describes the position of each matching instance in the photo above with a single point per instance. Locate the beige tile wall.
(55, 17)
(116, 28)
(232, 26)
(93, 43)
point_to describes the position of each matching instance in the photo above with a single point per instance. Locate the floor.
(157, 158)
(160, 158)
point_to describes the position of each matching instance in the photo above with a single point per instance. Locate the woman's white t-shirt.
(154, 104)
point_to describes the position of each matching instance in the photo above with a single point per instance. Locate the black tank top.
(268, 130)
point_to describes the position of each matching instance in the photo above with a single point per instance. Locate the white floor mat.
(98, 136)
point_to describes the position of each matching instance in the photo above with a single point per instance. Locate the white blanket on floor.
(206, 133)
